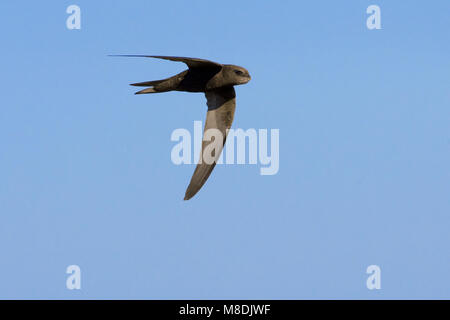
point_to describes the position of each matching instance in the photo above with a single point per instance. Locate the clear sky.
(86, 177)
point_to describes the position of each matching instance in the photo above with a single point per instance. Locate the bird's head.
(235, 75)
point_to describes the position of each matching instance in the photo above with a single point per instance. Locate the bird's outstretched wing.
(190, 62)
(221, 105)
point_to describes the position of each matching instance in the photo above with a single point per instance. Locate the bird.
(217, 82)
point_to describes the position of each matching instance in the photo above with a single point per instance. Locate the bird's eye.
(239, 72)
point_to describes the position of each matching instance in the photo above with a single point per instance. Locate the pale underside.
(221, 106)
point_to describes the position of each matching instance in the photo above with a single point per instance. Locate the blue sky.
(86, 176)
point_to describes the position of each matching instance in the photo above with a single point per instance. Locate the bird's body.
(197, 79)
(217, 81)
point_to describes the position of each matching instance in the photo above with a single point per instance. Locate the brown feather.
(221, 107)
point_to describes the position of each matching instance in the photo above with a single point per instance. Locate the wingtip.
(189, 195)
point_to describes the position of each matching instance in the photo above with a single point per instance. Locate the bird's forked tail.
(150, 84)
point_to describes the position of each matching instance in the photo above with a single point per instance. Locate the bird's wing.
(191, 62)
(221, 105)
